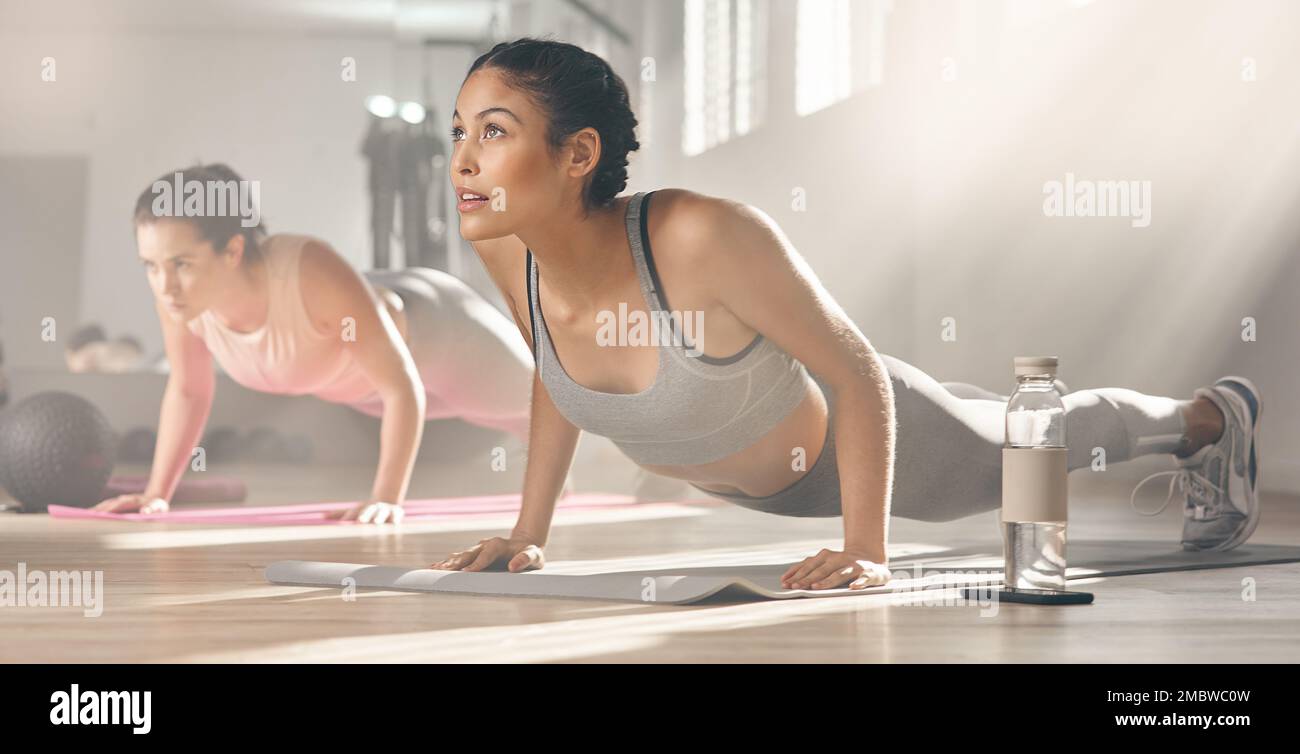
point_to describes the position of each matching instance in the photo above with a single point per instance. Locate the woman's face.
(184, 271)
(499, 150)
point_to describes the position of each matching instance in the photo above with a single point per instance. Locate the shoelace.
(1190, 480)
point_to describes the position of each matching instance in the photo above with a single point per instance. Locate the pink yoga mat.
(315, 513)
(208, 489)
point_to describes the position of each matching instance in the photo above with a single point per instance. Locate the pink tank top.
(287, 355)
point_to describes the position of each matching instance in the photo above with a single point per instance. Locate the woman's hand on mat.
(372, 513)
(519, 554)
(146, 504)
(829, 569)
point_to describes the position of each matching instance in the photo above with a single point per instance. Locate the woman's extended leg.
(474, 363)
(948, 455)
(967, 390)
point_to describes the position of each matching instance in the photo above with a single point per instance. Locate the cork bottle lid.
(1026, 365)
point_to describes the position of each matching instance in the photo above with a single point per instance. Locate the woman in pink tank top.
(286, 314)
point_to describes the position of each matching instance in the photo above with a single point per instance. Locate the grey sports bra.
(699, 409)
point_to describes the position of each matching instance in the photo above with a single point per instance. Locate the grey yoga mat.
(948, 567)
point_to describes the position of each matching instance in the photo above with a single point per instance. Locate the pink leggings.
(473, 361)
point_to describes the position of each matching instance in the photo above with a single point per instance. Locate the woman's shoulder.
(310, 260)
(686, 201)
(321, 267)
(313, 256)
(678, 203)
(327, 283)
(280, 244)
(690, 214)
(688, 227)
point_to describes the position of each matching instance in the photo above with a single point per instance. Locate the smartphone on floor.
(1030, 596)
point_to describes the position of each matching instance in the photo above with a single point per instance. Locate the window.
(726, 79)
(839, 50)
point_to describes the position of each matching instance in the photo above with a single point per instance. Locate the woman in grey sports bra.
(794, 414)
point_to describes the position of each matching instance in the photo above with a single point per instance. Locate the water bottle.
(1034, 490)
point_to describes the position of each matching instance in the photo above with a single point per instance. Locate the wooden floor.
(196, 594)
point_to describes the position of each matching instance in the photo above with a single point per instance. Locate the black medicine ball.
(55, 449)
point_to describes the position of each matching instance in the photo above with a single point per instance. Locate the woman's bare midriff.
(769, 465)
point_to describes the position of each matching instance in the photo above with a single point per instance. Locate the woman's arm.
(180, 425)
(760, 278)
(336, 295)
(552, 438)
(186, 404)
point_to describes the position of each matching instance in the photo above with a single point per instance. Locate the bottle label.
(1034, 486)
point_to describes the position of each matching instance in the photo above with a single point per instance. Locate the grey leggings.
(471, 358)
(948, 447)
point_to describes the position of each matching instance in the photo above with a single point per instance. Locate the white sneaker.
(1221, 480)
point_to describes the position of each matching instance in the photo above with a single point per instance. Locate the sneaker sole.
(1249, 394)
